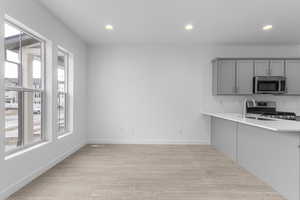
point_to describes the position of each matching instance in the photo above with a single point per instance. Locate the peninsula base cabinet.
(274, 157)
(224, 137)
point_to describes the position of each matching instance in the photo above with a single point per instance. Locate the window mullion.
(21, 89)
(20, 118)
(43, 136)
(20, 69)
(66, 111)
(20, 84)
(67, 74)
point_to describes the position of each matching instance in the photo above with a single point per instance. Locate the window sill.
(25, 150)
(66, 134)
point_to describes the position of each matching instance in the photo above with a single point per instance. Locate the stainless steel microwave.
(269, 85)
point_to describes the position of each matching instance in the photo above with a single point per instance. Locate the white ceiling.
(163, 21)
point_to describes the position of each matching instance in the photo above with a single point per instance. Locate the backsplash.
(235, 103)
(286, 103)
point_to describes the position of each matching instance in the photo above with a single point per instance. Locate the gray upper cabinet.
(292, 77)
(269, 68)
(234, 76)
(261, 67)
(245, 73)
(277, 68)
(226, 77)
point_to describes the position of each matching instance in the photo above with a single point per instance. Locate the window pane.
(37, 116)
(11, 31)
(37, 73)
(62, 89)
(61, 80)
(12, 43)
(32, 117)
(31, 61)
(13, 137)
(61, 111)
(61, 58)
(11, 74)
(12, 56)
(60, 74)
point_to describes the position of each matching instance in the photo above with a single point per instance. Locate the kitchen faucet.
(244, 112)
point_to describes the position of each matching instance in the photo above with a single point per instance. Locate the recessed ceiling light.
(267, 27)
(109, 27)
(189, 27)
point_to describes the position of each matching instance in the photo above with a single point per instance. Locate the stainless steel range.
(281, 115)
(268, 109)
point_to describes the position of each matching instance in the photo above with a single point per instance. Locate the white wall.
(154, 94)
(18, 170)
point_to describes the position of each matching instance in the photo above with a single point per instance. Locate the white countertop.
(277, 125)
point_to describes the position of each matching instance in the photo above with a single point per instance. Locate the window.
(24, 88)
(63, 63)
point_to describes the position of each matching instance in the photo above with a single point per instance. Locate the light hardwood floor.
(147, 172)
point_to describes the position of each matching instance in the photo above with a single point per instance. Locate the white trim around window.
(25, 87)
(64, 92)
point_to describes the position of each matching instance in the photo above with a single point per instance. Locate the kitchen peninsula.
(268, 148)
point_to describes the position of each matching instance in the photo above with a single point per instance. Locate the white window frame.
(44, 137)
(68, 115)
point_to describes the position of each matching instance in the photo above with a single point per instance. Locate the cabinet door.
(215, 77)
(244, 76)
(224, 136)
(226, 77)
(292, 75)
(277, 68)
(271, 156)
(261, 68)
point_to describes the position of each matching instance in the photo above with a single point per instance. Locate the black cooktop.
(281, 115)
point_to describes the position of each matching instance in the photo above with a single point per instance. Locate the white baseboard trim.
(116, 141)
(27, 179)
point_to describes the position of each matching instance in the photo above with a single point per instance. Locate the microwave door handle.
(283, 86)
(282, 89)
(280, 86)
(256, 85)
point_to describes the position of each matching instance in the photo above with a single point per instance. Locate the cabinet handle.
(269, 68)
